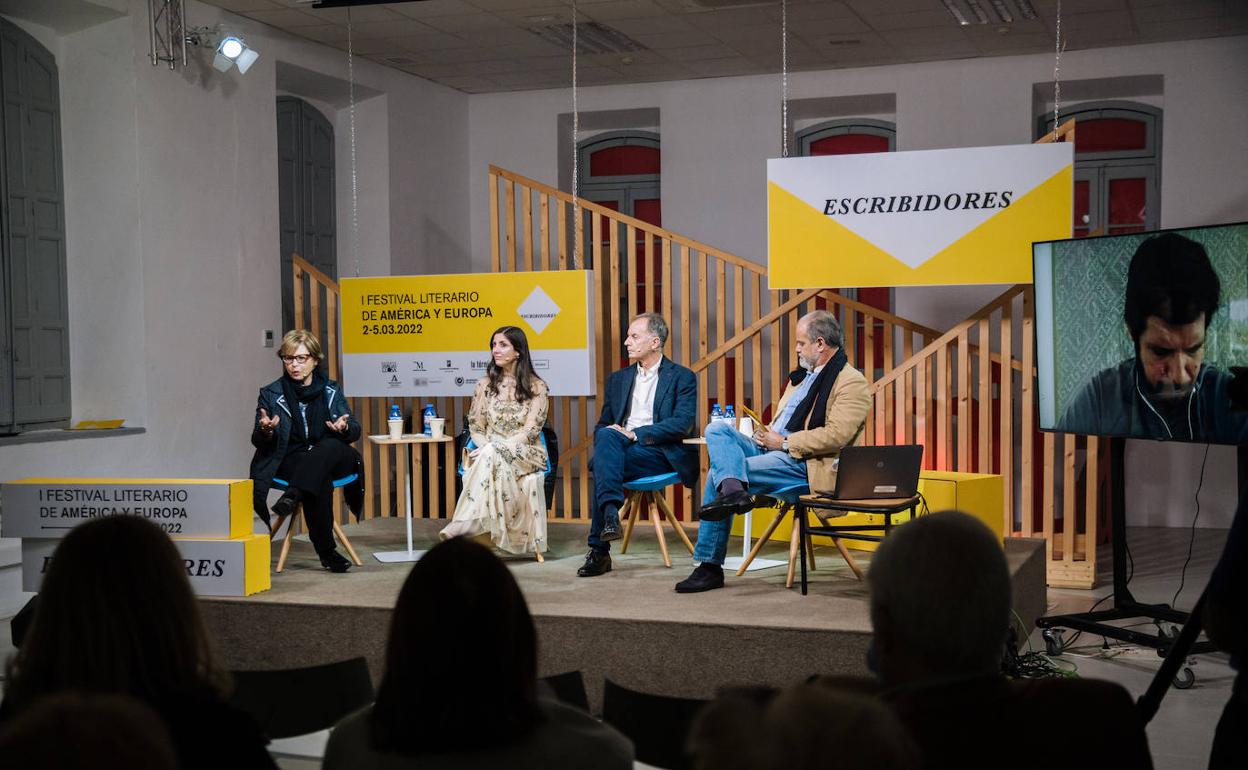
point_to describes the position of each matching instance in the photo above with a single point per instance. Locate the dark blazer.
(271, 450)
(675, 404)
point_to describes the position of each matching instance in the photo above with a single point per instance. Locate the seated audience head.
(116, 615)
(1172, 294)
(818, 338)
(803, 727)
(940, 600)
(72, 731)
(300, 354)
(461, 661)
(647, 334)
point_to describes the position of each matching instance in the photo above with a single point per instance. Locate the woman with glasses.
(302, 434)
(504, 481)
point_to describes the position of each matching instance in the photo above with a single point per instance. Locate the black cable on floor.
(1191, 541)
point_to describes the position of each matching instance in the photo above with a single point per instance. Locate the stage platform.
(628, 625)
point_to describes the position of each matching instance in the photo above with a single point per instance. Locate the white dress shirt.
(641, 412)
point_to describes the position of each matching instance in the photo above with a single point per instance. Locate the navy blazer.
(675, 405)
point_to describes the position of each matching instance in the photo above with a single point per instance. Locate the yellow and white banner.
(932, 217)
(429, 335)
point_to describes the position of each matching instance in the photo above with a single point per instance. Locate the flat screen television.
(1138, 334)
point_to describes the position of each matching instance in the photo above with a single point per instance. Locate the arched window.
(620, 170)
(1117, 167)
(847, 137)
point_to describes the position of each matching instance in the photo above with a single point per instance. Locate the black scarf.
(817, 397)
(313, 396)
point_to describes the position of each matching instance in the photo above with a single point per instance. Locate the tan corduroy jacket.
(846, 415)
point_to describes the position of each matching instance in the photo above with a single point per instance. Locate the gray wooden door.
(34, 367)
(307, 213)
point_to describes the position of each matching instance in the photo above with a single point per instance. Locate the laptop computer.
(875, 472)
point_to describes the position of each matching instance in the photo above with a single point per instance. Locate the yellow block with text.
(979, 494)
(459, 312)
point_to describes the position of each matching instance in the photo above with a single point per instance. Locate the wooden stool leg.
(342, 538)
(853, 565)
(657, 520)
(667, 513)
(629, 514)
(810, 551)
(794, 542)
(290, 535)
(277, 526)
(540, 559)
(758, 545)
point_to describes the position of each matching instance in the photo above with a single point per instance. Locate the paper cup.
(396, 428)
(437, 427)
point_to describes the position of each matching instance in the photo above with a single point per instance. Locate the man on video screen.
(1166, 390)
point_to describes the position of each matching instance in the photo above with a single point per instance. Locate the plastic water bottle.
(430, 413)
(395, 412)
(717, 413)
(730, 415)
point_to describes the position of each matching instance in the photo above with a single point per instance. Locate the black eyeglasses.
(299, 359)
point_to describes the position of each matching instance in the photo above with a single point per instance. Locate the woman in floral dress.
(504, 493)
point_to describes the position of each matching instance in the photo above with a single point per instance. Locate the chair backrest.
(568, 687)
(658, 725)
(298, 701)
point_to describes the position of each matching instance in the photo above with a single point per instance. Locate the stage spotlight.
(230, 49)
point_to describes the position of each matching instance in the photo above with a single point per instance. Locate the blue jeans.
(616, 460)
(736, 456)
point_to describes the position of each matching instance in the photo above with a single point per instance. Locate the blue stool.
(645, 493)
(790, 499)
(290, 531)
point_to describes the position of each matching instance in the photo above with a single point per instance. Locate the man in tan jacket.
(822, 410)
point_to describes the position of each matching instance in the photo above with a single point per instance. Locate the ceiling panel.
(684, 39)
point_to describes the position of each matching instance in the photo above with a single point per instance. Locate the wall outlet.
(268, 338)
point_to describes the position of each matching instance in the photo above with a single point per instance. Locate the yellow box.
(979, 494)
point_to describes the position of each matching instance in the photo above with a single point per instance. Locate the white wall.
(718, 133)
(172, 232)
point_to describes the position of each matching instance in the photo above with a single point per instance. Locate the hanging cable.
(784, 78)
(1057, 71)
(576, 165)
(355, 187)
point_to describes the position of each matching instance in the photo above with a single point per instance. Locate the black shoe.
(335, 562)
(596, 563)
(726, 505)
(704, 578)
(287, 503)
(610, 525)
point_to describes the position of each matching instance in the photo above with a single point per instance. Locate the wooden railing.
(973, 408)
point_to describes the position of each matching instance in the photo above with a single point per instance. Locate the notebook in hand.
(874, 472)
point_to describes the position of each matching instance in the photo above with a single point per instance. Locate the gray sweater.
(566, 738)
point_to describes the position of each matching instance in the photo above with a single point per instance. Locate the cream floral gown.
(504, 486)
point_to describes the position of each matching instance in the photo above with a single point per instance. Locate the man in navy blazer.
(647, 410)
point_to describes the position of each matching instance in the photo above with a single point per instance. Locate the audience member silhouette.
(460, 687)
(805, 727)
(116, 615)
(940, 612)
(70, 731)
